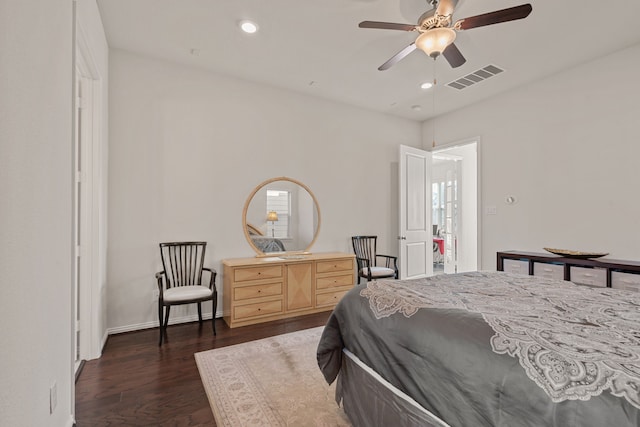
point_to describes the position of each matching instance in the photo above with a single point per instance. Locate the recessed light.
(426, 85)
(248, 27)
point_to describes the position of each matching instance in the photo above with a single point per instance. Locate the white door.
(415, 237)
(77, 220)
(81, 217)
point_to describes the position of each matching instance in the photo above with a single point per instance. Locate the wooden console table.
(259, 290)
(592, 272)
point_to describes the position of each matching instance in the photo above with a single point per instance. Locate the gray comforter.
(496, 349)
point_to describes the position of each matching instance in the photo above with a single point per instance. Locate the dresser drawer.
(334, 265)
(516, 266)
(334, 281)
(549, 271)
(588, 276)
(256, 291)
(247, 311)
(257, 273)
(329, 298)
(627, 281)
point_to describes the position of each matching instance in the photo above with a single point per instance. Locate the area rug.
(270, 382)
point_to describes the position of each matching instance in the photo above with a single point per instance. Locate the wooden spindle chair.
(367, 259)
(180, 282)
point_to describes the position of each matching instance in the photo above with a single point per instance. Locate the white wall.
(187, 147)
(567, 148)
(35, 211)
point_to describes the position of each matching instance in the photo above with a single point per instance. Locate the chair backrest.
(365, 247)
(182, 262)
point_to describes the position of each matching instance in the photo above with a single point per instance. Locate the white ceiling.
(315, 46)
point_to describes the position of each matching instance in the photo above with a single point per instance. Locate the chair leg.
(358, 279)
(200, 313)
(160, 321)
(166, 320)
(213, 312)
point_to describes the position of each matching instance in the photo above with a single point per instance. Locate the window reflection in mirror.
(279, 201)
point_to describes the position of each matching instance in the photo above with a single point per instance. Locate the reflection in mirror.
(281, 215)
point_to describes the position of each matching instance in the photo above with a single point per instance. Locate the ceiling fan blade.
(453, 56)
(397, 57)
(386, 25)
(446, 7)
(504, 15)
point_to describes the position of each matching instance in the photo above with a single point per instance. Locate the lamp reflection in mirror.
(273, 217)
(433, 42)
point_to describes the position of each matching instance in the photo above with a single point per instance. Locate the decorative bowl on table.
(576, 254)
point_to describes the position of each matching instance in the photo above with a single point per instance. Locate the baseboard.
(155, 324)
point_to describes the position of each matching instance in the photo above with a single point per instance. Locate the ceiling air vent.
(475, 77)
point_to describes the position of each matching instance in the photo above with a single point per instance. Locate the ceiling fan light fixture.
(433, 42)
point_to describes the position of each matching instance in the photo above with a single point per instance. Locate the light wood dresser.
(263, 289)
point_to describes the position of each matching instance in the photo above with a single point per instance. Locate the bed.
(485, 349)
(268, 244)
(264, 243)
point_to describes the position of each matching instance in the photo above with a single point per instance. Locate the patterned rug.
(270, 382)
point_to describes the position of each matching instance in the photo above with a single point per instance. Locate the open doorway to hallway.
(454, 208)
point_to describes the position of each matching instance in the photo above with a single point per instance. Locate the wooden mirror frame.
(245, 225)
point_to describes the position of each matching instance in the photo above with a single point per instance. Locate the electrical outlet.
(155, 295)
(53, 397)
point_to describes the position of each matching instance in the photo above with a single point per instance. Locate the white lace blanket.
(573, 341)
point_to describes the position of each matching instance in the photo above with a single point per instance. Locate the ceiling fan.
(437, 33)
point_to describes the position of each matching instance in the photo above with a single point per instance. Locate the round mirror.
(281, 215)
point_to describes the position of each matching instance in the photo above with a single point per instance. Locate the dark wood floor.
(137, 383)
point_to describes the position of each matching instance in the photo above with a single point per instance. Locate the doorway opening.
(454, 208)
